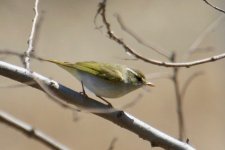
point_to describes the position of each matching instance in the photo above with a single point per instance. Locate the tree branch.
(102, 9)
(179, 102)
(121, 118)
(31, 38)
(164, 53)
(215, 7)
(30, 131)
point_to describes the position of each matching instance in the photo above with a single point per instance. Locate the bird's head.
(137, 78)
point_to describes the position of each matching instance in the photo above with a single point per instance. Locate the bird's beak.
(150, 84)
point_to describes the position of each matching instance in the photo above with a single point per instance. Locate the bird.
(105, 80)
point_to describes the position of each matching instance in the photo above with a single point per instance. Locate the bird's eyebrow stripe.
(132, 71)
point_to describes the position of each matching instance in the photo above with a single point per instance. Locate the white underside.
(102, 87)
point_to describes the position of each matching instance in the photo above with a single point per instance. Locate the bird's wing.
(106, 71)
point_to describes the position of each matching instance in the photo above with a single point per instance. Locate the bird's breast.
(103, 87)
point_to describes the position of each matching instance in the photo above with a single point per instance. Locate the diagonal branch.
(30, 131)
(121, 118)
(102, 9)
(215, 7)
(139, 40)
(194, 46)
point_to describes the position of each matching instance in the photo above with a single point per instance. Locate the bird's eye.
(139, 79)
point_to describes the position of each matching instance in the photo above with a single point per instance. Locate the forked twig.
(40, 136)
(102, 11)
(112, 36)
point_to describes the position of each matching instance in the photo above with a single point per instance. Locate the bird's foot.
(108, 103)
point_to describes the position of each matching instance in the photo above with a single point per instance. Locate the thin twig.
(31, 38)
(112, 36)
(180, 115)
(40, 20)
(30, 131)
(121, 118)
(28, 54)
(9, 52)
(215, 7)
(138, 39)
(47, 91)
(20, 55)
(112, 144)
(194, 46)
(49, 94)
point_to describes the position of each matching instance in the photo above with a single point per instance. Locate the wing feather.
(106, 71)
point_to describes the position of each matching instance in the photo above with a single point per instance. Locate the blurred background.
(67, 33)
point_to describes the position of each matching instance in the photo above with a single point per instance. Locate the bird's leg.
(109, 104)
(84, 93)
(83, 90)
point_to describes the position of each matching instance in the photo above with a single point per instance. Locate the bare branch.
(31, 38)
(14, 53)
(36, 81)
(179, 102)
(194, 47)
(121, 118)
(138, 39)
(112, 36)
(215, 7)
(30, 131)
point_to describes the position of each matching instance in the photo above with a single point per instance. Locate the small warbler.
(103, 79)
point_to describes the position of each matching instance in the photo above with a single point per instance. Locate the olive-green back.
(103, 70)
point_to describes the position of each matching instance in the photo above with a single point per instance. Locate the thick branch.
(121, 118)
